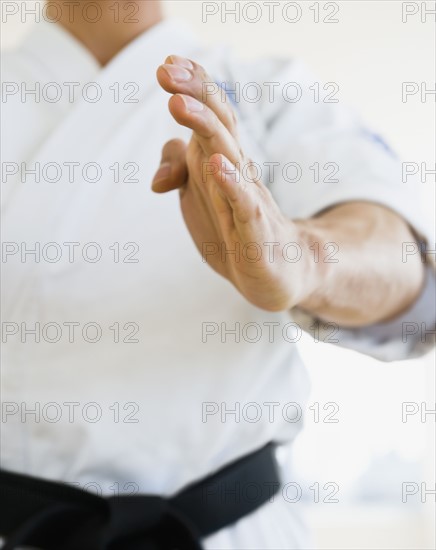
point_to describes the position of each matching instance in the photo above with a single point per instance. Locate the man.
(117, 345)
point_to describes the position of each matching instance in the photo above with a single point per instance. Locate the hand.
(234, 221)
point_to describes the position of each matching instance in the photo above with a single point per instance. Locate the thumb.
(172, 172)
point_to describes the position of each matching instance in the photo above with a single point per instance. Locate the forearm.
(366, 280)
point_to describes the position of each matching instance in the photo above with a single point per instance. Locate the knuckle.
(258, 211)
(199, 69)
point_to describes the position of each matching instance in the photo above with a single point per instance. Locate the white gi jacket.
(122, 371)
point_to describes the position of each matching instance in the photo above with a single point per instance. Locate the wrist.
(315, 265)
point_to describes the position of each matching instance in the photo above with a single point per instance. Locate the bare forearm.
(369, 281)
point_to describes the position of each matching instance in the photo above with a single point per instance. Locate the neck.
(105, 27)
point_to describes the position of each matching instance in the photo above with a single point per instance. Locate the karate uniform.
(159, 292)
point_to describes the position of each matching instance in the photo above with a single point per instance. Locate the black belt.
(55, 516)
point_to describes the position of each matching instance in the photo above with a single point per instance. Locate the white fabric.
(169, 293)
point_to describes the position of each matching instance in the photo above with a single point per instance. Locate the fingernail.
(181, 62)
(163, 172)
(178, 73)
(192, 105)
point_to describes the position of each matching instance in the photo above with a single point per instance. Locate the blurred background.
(358, 448)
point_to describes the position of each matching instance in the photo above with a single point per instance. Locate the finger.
(244, 197)
(172, 172)
(211, 134)
(181, 75)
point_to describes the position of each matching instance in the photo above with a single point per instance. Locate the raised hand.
(235, 222)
